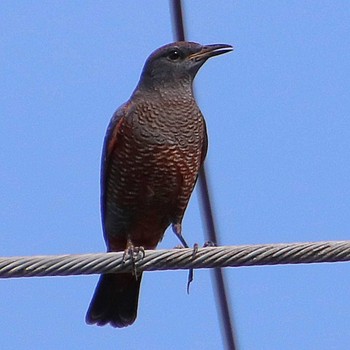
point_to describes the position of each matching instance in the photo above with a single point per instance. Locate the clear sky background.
(278, 115)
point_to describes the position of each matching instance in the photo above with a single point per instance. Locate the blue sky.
(278, 116)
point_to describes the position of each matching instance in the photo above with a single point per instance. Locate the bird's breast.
(167, 124)
(158, 149)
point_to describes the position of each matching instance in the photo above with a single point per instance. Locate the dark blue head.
(178, 62)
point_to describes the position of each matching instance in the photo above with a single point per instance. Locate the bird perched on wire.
(154, 147)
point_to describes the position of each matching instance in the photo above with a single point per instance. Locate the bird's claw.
(131, 252)
(190, 272)
(194, 252)
(209, 244)
(189, 280)
(177, 230)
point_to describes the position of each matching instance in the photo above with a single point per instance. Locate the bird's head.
(178, 63)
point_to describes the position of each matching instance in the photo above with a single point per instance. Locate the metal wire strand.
(175, 259)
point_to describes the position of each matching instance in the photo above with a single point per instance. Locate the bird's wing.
(109, 146)
(205, 144)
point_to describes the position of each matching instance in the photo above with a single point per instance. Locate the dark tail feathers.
(115, 300)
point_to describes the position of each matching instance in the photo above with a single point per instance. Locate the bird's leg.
(133, 252)
(177, 231)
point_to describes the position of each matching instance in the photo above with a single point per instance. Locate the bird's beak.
(210, 51)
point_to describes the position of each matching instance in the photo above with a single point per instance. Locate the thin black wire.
(220, 284)
(219, 280)
(178, 23)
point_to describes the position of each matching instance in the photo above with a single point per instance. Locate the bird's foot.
(179, 247)
(177, 230)
(190, 272)
(209, 244)
(133, 253)
(195, 250)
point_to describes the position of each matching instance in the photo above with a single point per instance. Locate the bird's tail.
(115, 300)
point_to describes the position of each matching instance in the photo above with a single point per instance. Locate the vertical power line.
(219, 281)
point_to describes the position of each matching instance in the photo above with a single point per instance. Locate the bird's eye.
(174, 55)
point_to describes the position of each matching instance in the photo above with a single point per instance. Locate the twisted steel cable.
(175, 259)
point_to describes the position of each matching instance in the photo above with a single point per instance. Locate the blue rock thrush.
(155, 145)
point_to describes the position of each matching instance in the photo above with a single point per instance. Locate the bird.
(154, 148)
